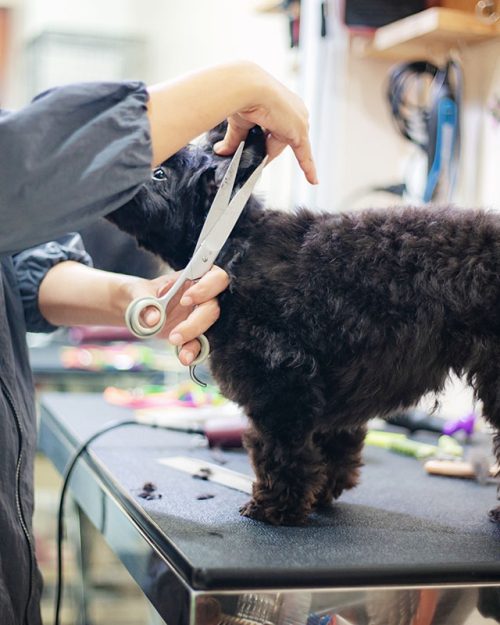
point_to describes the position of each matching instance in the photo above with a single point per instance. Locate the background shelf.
(435, 30)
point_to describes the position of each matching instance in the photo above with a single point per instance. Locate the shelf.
(432, 31)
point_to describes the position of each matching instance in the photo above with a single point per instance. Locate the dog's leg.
(289, 470)
(487, 385)
(495, 512)
(342, 452)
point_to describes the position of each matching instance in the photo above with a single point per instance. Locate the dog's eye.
(159, 174)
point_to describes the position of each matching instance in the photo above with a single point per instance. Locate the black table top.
(399, 526)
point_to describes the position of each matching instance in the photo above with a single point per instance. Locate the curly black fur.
(330, 319)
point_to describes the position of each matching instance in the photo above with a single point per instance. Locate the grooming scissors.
(219, 223)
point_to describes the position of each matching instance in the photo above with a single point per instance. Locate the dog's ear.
(255, 144)
(206, 189)
(253, 153)
(215, 135)
(209, 184)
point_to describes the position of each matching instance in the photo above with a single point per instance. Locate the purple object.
(463, 423)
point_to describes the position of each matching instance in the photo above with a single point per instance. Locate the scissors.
(220, 221)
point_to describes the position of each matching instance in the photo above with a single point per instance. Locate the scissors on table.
(220, 221)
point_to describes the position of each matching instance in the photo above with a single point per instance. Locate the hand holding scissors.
(220, 221)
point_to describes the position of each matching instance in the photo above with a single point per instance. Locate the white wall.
(352, 133)
(184, 36)
(180, 36)
(355, 143)
(481, 155)
(104, 16)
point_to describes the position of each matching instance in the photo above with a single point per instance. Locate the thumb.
(150, 316)
(235, 134)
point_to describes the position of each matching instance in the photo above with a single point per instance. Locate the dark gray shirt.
(72, 155)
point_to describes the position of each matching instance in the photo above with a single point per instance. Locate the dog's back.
(382, 303)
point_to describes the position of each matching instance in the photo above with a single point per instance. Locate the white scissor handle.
(137, 306)
(204, 352)
(134, 312)
(133, 321)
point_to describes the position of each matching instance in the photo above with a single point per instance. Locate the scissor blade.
(223, 222)
(223, 195)
(220, 232)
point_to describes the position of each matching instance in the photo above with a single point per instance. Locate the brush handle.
(450, 468)
(453, 468)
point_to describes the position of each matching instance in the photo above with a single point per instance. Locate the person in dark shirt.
(69, 157)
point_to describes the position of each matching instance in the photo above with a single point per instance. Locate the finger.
(150, 316)
(209, 286)
(198, 322)
(274, 147)
(189, 352)
(165, 283)
(303, 154)
(235, 134)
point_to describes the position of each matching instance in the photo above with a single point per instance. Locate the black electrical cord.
(411, 117)
(60, 514)
(66, 478)
(415, 92)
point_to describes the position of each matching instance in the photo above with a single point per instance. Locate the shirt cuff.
(31, 267)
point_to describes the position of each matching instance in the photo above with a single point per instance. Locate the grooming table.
(400, 533)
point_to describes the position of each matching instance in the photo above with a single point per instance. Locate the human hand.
(284, 118)
(190, 313)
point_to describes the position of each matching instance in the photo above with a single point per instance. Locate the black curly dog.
(330, 319)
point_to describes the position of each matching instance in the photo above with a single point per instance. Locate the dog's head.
(167, 214)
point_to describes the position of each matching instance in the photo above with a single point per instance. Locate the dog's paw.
(329, 494)
(494, 515)
(339, 488)
(344, 480)
(251, 510)
(271, 515)
(324, 501)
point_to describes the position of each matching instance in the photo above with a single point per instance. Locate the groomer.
(72, 155)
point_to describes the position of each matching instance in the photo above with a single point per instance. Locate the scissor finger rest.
(134, 312)
(204, 352)
(134, 323)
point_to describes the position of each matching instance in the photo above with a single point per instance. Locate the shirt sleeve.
(75, 153)
(32, 264)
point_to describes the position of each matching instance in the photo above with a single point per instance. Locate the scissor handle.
(133, 321)
(204, 352)
(134, 312)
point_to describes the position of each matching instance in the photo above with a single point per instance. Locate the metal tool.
(220, 221)
(210, 472)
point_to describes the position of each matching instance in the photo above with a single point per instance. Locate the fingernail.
(175, 338)
(188, 358)
(218, 146)
(186, 300)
